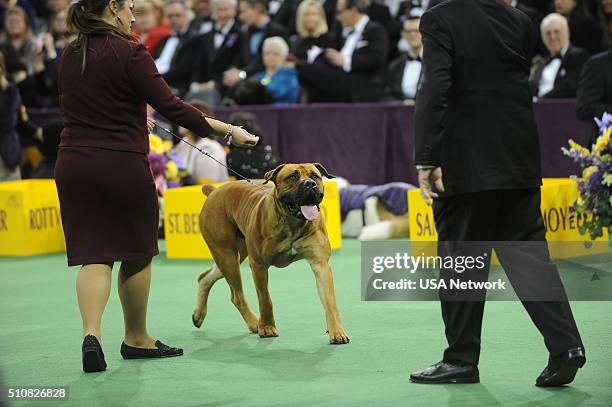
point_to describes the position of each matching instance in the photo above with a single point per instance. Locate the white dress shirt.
(410, 79)
(351, 43)
(164, 60)
(549, 74)
(222, 33)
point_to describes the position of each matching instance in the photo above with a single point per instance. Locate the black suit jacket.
(212, 63)
(595, 88)
(286, 14)
(566, 81)
(394, 78)
(366, 79)
(253, 63)
(474, 115)
(182, 66)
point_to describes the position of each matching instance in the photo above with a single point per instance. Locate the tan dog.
(273, 226)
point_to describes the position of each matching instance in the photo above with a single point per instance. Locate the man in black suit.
(219, 49)
(258, 26)
(283, 12)
(557, 75)
(478, 156)
(175, 55)
(595, 89)
(352, 71)
(404, 73)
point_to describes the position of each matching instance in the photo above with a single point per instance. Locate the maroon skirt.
(108, 204)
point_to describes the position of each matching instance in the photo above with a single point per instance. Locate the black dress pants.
(509, 221)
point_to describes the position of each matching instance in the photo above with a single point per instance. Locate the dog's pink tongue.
(310, 212)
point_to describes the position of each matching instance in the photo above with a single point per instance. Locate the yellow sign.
(558, 195)
(182, 208)
(30, 220)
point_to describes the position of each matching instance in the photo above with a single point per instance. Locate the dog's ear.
(271, 175)
(323, 171)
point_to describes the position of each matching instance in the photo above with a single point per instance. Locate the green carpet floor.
(224, 365)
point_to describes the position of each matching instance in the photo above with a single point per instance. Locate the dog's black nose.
(308, 183)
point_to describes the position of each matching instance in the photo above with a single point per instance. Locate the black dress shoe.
(93, 357)
(562, 369)
(443, 372)
(162, 351)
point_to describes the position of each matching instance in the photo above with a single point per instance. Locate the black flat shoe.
(93, 357)
(162, 351)
(443, 372)
(562, 369)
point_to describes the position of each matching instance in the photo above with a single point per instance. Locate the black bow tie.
(556, 56)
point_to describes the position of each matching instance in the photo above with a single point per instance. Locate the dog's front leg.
(325, 287)
(267, 326)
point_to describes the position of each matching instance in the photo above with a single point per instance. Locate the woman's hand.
(243, 138)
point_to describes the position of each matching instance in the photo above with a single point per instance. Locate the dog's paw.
(197, 322)
(267, 331)
(338, 336)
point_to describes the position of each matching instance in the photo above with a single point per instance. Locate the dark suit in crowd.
(474, 119)
(595, 89)
(183, 61)
(566, 81)
(365, 81)
(395, 77)
(212, 62)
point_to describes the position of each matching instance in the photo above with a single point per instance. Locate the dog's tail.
(207, 189)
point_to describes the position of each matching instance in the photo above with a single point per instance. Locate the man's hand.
(427, 178)
(335, 57)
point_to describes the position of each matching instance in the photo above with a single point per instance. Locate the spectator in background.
(404, 73)
(283, 12)
(19, 41)
(59, 31)
(27, 60)
(584, 30)
(557, 75)
(220, 51)
(196, 164)
(353, 70)
(203, 21)
(595, 89)
(26, 5)
(605, 18)
(280, 80)
(258, 26)
(255, 162)
(176, 55)
(10, 146)
(312, 29)
(149, 26)
(48, 148)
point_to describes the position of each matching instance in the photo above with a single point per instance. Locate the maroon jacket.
(105, 107)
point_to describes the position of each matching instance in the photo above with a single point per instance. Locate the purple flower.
(158, 163)
(604, 123)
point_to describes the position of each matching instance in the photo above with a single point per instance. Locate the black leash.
(211, 157)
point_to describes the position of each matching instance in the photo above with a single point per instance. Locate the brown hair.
(3, 80)
(85, 19)
(20, 12)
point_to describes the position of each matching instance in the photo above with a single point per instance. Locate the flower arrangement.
(167, 167)
(595, 185)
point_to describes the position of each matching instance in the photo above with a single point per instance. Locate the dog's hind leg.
(205, 282)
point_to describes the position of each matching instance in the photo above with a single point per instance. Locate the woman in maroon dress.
(106, 190)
